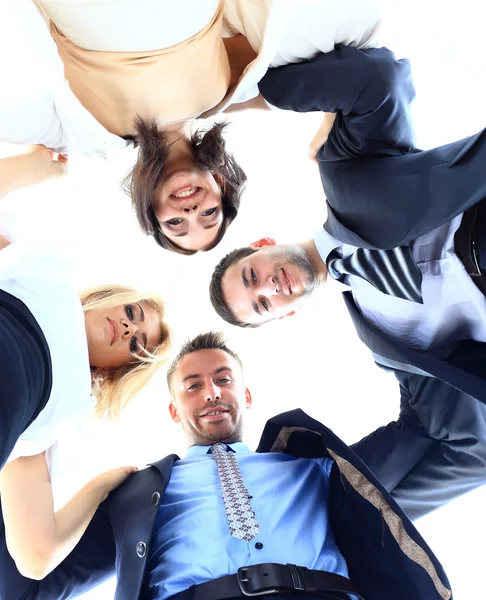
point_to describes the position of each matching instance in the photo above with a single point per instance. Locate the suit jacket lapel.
(132, 514)
(458, 370)
(334, 226)
(359, 509)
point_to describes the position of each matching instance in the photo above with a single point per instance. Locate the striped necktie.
(241, 518)
(393, 272)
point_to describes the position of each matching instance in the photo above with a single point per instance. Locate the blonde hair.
(114, 388)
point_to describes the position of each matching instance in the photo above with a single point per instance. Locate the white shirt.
(281, 31)
(453, 306)
(38, 277)
(291, 31)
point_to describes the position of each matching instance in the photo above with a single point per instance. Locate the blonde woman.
(63, 357)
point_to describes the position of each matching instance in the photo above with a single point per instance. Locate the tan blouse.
(170, 85)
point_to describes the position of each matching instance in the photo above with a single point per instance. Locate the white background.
(313, 360)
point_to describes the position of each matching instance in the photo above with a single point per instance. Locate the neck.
(195, 440)
(179, 142)
(316, 260)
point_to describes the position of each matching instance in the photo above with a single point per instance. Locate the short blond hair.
(115, 388)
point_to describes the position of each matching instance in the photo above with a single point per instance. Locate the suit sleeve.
(90, 563)
(370, 90)
(434, 452)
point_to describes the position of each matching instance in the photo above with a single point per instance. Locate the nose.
(189, 209)
(127, 328)
(212, 393)
(269, 286)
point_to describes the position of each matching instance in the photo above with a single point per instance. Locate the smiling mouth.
(214, 415)
(287, 282)
(186, 192)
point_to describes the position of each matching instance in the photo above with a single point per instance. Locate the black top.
(25, 371)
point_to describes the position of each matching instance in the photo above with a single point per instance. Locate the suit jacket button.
(141, 549)
(155, 498)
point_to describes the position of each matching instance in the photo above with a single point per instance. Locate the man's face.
(209, 397)
(269, 284)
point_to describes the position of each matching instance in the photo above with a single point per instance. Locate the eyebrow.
(221, 369)
(142, 318)
(211, 226)
(184, 234)
(197, 375)
(246, 283)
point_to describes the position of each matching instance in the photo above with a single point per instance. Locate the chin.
(215, 435)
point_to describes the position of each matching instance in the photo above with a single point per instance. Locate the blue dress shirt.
(191, 542)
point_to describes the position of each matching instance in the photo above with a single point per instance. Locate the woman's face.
(188, 207)
(116, 334)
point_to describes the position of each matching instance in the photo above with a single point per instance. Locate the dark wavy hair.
(216, 286)
(209, 150)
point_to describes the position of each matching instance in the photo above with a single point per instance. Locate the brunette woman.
(137, 71)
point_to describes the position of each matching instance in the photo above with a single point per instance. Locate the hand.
(321, 135)
(110, 480)
(53, 165)
(35, 166)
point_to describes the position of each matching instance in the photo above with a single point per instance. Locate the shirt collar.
(201, 450)
(325, 243)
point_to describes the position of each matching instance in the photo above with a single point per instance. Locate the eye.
(129, 311)
(134, 347)
(194, 386)
(253, 275)
(209, 212)
(174, 222)
(224, 380)
(264, 304)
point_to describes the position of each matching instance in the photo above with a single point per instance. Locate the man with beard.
(304, 516)
(405, 228)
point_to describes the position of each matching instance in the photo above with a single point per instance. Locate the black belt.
(467, 240)
(272, 579)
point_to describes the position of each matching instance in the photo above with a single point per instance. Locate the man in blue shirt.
(303, 516)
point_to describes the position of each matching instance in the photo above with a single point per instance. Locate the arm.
(90, 563)
(28, 169)
(257, 103)
(370, 90)
(37, 537)
(435, 451)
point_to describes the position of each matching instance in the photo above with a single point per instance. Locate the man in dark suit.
(405, 227)
(305, 507)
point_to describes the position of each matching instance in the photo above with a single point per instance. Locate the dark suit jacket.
(381, 191)
(365, 519)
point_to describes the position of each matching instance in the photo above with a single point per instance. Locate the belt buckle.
(243, 580)
(253, 586)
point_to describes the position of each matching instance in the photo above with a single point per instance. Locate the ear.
(220, 180)
(248, 398)
(174, 413)
(290, 314)
(267, 241)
